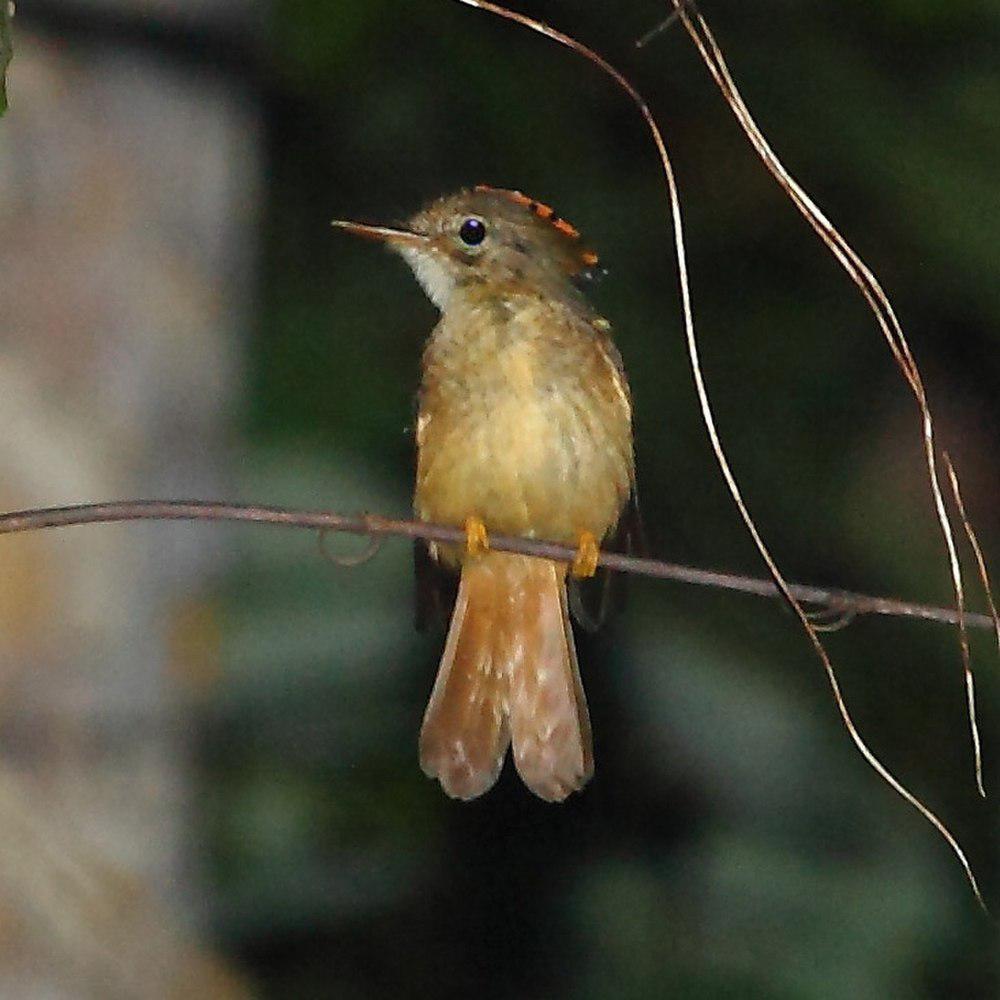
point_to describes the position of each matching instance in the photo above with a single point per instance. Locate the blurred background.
(208, 781)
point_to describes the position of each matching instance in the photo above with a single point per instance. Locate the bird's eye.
(472, 232)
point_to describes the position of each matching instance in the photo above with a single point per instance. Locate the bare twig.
(843, 604)
(900, 350)
(977, 550)
(869, 286)
(667, 22)
(367, 554)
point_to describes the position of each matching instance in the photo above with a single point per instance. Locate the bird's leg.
(477, 539)
(587, 553)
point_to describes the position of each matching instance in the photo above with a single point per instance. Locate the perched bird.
(524, 427)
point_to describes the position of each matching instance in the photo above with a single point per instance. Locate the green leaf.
(6, 49)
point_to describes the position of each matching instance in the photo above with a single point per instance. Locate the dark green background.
(732, 843)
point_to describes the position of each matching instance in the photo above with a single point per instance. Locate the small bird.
(524, 427)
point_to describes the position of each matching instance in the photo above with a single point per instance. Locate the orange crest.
(546, 214)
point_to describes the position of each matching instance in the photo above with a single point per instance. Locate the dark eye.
(473, 232)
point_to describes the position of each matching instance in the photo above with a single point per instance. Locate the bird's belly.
(548, 464)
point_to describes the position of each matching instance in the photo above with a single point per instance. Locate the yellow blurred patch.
(194, 643)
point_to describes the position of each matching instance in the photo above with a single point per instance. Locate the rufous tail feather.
(508, 675)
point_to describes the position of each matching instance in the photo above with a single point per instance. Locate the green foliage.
(6, 49)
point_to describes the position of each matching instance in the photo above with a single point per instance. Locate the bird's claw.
(477, 539)
(587, 554)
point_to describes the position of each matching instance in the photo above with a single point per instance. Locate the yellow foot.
(477, 539)
(585, 563)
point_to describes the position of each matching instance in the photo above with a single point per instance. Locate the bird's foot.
(477, 539)
(587, 553)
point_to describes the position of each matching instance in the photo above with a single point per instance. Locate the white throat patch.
(435, 279)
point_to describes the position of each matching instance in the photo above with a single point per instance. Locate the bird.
(523, 428)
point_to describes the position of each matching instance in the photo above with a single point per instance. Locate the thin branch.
(977, 550)
(708, 416)
(668, 22)
(869, 286)
(843, 604)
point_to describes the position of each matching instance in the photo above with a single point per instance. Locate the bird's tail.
(508, 675)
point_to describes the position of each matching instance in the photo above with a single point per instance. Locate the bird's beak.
(385, 234)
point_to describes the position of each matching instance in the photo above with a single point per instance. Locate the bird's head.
(490, 237)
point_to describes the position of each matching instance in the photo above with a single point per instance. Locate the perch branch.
(844, 604)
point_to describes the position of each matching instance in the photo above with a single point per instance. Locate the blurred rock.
(128, 193)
